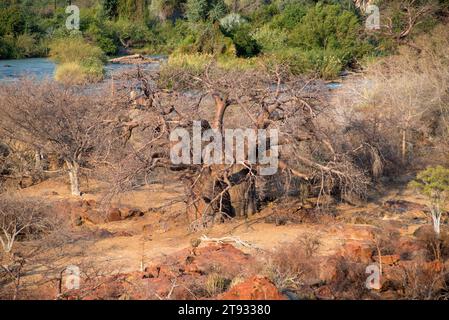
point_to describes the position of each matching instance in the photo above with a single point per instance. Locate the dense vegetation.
(320, 37)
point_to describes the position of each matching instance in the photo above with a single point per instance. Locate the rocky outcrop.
(254, 288)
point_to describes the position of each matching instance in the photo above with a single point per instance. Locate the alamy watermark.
(373, 280)
(72, 280)
(73, 20)
(373, 19)
(371, 11)
(238, 146)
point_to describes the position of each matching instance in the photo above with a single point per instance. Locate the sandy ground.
(132, 249)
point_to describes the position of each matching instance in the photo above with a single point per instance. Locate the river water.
(42, 68)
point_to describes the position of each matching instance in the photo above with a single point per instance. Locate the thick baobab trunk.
(73, 167)
(243, 199)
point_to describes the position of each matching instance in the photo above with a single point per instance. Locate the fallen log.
(132, 59)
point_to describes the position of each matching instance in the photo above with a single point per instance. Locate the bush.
(78, 59)
(130, 34)
(232, 22)
(245, 44)
(270, 39)
(7, 47)
(434, 183)
(326, 27)
(290, 17)
(207, 38)
(320, 63)
(330, 29)
(103, 37)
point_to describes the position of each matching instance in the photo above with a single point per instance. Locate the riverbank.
(44, 68)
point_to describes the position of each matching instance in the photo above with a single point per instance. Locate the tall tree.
(110, 8)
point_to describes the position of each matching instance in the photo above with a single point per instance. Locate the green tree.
(132, 9)
(110, 8)
(327, 27)
(434, 184)
(196, 10)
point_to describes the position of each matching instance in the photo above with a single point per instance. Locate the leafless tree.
(21, 218)
(221, 99)
(69, 123)
(411, 14)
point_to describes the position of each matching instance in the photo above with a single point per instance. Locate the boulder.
(127, 213)
(324, 293)
(114, 214)
(402, 206)
(389, 259)
(254, 288)
(354, 232)
(328, 269)
(357, 252)
(424, 233)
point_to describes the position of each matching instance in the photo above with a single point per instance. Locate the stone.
(357, 252)
(328, 269)
(113, 215)
(424, 233)
(254, 288)
(324, 293)
(388, 259)
(127, 213)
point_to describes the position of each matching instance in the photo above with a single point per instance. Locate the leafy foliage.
(79, 61)
(319, 37)
(433, 182)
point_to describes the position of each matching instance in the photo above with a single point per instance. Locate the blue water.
(42, 68)
(37, 67)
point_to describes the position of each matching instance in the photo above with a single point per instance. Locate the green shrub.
(330, 28)
(71, 73)
(27, 46)
(319, 63)
(7, 47)
(245, 44)
(434, 184)
(76, 55)
(103, 37)
(130, 34)
(270, 39)
(206, 38)
(290, 17)
(12, 20)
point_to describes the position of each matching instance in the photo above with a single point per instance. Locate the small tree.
(434, 183)
(66, 122)
(196, 10)
(19, 218)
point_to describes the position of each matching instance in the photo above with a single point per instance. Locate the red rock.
(225, 257)
(324, 293)
(114, 214)
(328, 269)
(127, 213)
(193, 269)
(401, 206)
(357, 252)
(354, 232)
(389, 259)
(424, 233)
(434, 266)
(255, 288)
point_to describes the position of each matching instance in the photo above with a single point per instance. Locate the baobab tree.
(252, 99)
(67, 123)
